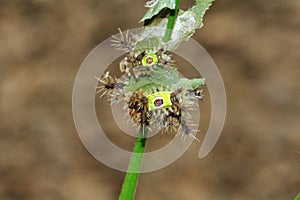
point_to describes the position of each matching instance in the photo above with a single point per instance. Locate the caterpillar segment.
(145, 59)
(158, 106)
(107, 84)
(125, 42)
(198, 93)
(112, 87)
(138, 109)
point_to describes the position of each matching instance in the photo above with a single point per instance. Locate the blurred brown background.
(255, 44)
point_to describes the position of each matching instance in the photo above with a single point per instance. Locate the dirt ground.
(256, 46)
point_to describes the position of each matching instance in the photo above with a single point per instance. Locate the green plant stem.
(171, 22)
(132, 175)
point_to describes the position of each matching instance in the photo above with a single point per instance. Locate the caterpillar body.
(151, 88)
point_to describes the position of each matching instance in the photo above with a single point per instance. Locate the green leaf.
(161, 76)
(188, 84)
(151, 43)
(185, 25)
(200, 7)
(197, 82)
(160, 5)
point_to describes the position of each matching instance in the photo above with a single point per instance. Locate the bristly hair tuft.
(125, 42)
